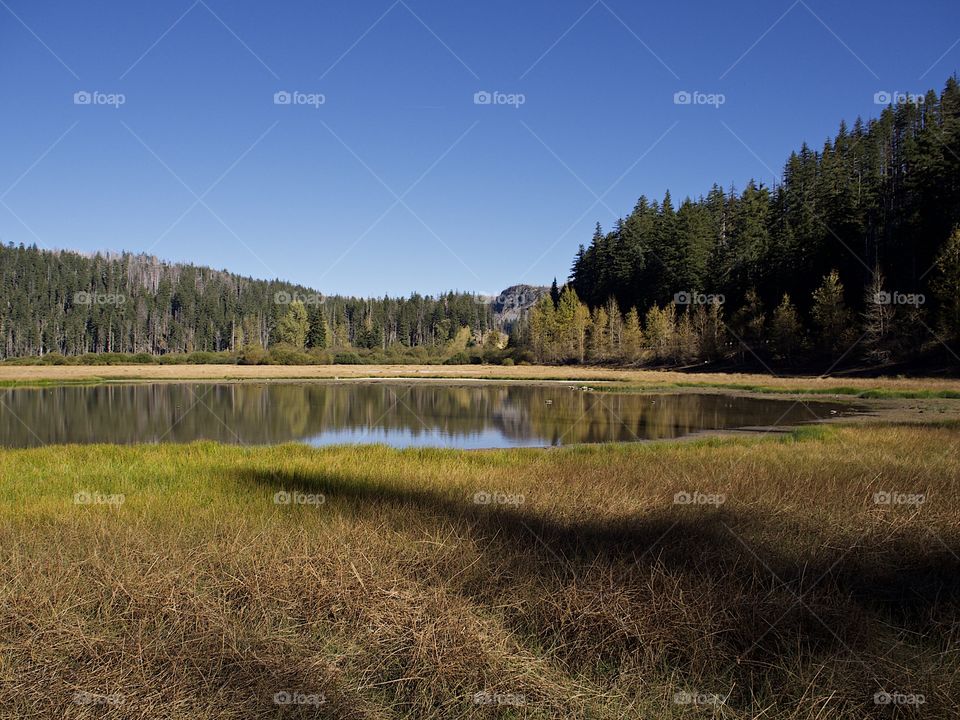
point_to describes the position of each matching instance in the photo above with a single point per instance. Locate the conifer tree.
(946, 285)
(785, 329)
(317, 334)
(542, 324)
(830, 313)
(294, 326)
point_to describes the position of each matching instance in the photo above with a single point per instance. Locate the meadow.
(812, 575)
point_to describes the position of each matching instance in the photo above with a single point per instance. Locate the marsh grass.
(399, 596)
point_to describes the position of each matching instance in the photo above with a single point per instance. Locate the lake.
(474, 415)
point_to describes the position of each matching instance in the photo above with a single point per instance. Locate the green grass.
(400, 597)
(868, 393)
(47, 383)
(839, 390)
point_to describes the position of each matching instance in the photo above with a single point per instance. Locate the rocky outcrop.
(510, 304)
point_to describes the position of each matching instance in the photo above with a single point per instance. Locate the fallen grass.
(589, 594)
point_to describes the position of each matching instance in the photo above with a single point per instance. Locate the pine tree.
(946, 285)
(830, 314)
(542, 323)
(750, 324)
(317, 334)
(294, 326)
(786, 332)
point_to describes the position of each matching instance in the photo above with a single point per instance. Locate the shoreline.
(670, 380)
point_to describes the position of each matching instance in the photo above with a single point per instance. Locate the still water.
(399, 414)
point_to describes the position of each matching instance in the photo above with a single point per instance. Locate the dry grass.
(400, 597)
(641, 378)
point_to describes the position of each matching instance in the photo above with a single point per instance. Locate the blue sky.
(398, 181)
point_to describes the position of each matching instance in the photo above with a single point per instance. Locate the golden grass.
(401, 597)
(651, 378)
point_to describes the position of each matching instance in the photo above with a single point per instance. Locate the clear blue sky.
(500, 194)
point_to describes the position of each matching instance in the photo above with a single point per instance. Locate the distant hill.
(70, 303)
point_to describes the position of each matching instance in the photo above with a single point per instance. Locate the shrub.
(347, 358)
(142, 359)
(460, 358)
(283, 354)
(320, 356)
(253, 355)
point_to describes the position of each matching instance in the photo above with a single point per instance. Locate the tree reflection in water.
(429, 414)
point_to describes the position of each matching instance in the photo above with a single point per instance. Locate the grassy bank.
(165, 581)
(899, 387)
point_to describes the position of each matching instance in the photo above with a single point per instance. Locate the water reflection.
(413, 414)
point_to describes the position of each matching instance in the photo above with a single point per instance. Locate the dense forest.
(65, 303)
(858, 241)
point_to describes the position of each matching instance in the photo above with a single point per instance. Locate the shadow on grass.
(773, 594)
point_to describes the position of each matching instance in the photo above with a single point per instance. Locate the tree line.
(857, 244)
(59, 302)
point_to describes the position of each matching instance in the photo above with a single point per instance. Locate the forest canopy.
(857, 245)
